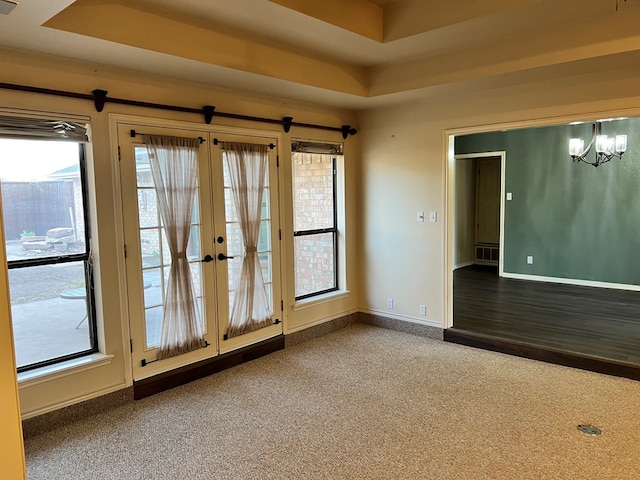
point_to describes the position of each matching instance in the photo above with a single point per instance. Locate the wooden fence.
(37, 207)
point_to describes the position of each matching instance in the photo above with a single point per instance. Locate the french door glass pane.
(314, 263)
(156, 256)
(148, 207)
(153, 277)
(265, 263)
(234, 243)
(143, 168)
(153, 322)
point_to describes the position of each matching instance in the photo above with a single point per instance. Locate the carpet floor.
(361, 403)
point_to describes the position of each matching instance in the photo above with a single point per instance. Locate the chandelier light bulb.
(601, 143)
(621, 143)
(576, 146)
(611, 145)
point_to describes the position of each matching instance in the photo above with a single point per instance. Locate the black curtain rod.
(133, 133)
(215, 141)
(100, 98)
(218, 142)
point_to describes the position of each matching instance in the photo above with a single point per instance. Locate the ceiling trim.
(358, 16)
(120, 23)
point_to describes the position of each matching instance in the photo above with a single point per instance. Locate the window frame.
(319, 231)
(85, 257)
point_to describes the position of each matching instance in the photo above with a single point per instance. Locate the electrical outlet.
(389, 302)
(530, 259)
(423, 310)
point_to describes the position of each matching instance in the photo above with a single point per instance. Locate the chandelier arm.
(583, 159)
(594, 132)
(594, 164)
(604, 158)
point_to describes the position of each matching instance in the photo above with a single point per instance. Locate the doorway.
(552, 322)
(216, 252)
(478, 216)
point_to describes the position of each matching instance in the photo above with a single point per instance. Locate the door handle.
(222, 256)
(207, 259)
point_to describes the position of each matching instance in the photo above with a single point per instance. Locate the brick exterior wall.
(313, 205)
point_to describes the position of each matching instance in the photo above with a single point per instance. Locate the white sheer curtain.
(174, 167)
(247, 165)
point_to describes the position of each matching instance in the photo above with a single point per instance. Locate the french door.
(215, 249)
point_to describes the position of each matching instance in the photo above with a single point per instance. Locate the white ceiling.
(427, 47)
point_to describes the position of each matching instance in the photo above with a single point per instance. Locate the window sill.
(320, 299)
(63, 369)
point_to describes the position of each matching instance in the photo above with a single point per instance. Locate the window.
(315, 218)
(46, 233)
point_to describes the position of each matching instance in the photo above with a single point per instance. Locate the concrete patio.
(53, 327)
(46, 325)
(47, 329)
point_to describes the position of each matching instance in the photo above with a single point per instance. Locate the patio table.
(81, 294)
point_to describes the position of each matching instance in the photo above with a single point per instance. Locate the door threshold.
(556, 356)
(174, 378)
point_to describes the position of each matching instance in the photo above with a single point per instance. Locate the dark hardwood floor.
(548, 321)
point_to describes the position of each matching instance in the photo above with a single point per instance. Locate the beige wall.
(404, 166)
(46, 394)
(402, 173)
(11, 449)
(465, 213)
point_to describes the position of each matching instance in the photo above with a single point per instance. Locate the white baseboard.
(572, 281)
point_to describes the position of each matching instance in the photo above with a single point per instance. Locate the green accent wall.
(577, 221)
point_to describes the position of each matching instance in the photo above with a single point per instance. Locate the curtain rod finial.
(287, 121)
(99, 98)
(208, 113)
(347, 130)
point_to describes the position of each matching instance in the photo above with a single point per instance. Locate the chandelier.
(606, 148)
